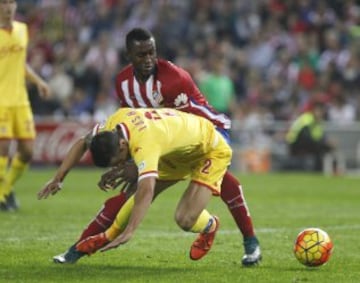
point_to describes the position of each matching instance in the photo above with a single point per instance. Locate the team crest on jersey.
(141, 165)
(181, 99)
(157, 97)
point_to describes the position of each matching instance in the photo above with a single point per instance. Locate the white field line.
(176, 234)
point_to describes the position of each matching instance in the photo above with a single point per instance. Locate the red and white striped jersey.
(170, 86)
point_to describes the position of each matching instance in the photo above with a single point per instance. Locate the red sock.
(232, 195)
(105, 217)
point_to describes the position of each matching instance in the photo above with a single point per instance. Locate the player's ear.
(127, 56)
(122, 142)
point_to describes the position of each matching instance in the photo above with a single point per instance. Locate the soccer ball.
(313, 247)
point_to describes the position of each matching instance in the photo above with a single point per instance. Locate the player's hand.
(50, 188)
(111, 179)
(130, 173)
(124, 174)
(119, 240)
(43, 89)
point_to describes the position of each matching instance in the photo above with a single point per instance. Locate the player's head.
(7, 11)
(141, 51)
(109, 148)
(319, 110)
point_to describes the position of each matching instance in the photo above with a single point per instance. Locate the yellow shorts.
(208, 171)
(16, 122)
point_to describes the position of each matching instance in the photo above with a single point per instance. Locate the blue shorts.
(225, 133)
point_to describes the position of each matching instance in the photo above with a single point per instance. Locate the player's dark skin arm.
(74, 155)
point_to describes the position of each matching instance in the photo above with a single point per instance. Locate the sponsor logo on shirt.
(141, 165)
(7, 50)
(181, 99)
(157, 97)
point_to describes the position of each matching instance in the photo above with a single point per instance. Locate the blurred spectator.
(218, 87)
(260, 51)
(306, 139)
(276, 52)
(105, 104)
(61, 85)
(340, 111)
(333, 52)
(102, 57)
(79, 105)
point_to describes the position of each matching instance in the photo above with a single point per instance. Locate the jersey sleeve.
(119, 92)
(146, 160)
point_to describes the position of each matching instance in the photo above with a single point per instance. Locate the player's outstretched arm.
(143, 198)
(73, 157)
(42, 86)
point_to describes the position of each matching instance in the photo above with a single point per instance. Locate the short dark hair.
(103, 147)
(137, 34)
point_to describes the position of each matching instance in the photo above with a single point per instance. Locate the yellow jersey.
(13, 50)
(164, 136)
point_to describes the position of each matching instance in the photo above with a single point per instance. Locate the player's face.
(319, 113)
(7, 11)
(142, 55)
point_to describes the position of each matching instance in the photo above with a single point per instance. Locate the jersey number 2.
(206, 167)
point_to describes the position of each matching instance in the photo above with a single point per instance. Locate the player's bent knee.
(26, 155)
(185, 221)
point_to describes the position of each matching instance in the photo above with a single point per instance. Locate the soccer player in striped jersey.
(153, 82)
(16, 118)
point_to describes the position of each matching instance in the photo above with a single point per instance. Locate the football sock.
(121, 220)
(3, 166)
(232, 195)
(205, 223)
(105, 217)
(112, 232)
(16, 169)
(124, 213)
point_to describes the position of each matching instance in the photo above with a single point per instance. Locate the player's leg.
(206, 179)
(232, 195)
(16, 123)
(191, 216)
(19, 163)
(24, 133)
(4, 160)
(6, 134)
(99, 224)
(107, 225)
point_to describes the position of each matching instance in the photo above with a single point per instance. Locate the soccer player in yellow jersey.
(167, 146)
(16, 119)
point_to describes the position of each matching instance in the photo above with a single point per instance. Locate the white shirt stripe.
(95, 129)
(215, 117)
(123, 129)
(149, 91)
(158, 88)
(146, 175)
(125, 89)
(137, 93)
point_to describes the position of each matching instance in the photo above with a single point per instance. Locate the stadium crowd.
(269, 58)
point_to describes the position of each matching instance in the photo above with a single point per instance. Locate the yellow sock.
(121, 220)
(204, 223)
(112, 232)
(3, 166)
(16, 169)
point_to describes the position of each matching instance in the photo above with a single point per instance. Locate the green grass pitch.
(281, 206)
